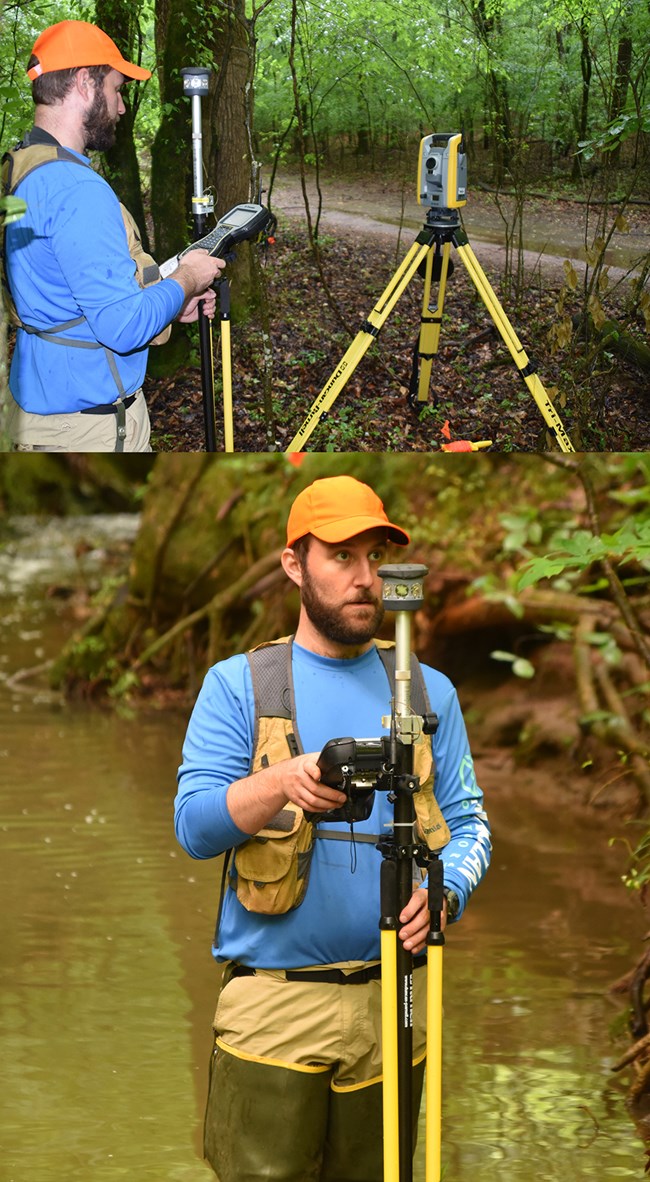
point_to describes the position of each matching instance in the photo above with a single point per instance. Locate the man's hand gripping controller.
(240, 224)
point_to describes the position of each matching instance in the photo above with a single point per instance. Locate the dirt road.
(378, 206)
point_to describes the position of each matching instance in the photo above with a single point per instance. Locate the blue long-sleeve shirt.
(338, 918)
(68, 257)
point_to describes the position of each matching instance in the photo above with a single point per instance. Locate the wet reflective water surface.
(107, 987)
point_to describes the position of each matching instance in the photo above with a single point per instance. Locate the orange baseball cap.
(339, 507)
(77, 43)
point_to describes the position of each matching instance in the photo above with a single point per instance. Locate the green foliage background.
(377, 76)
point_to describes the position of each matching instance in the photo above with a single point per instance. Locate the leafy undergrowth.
(475, 385)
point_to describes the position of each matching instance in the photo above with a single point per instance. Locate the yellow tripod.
(442, 173)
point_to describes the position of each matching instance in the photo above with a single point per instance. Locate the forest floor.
(367, 226)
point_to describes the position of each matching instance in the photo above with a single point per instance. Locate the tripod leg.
(389, 1054)
(435, 945)
(226, 364)
(405, 1033)
(360, 344)
(396, 1039)
(431, 322)
(515, 347)
(207, 379)
(434, 1064)
(389, 1036)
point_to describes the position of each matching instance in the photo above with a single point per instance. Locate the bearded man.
(296, 1072)
(84, 296)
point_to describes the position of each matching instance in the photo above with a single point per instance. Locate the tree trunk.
(621, 86)
(171, 152)
(615, 339)
(227, 115)
(499, 117)
(561, 133)
(209, 533)
(117, 18)
(583, 118)
(363, 141)
(229, 135)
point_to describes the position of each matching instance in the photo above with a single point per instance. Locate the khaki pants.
(77, 432)
(295, 1088)
(314, 1024)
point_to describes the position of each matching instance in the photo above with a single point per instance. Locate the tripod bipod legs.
(397, 1015)
(441, 231)
(448, 233)
(397, 1019)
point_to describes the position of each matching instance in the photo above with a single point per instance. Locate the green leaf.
(595, 716)
(539, 568)
(11, 209)
(598, 638)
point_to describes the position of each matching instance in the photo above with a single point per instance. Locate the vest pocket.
(272, 868)
(431, 825)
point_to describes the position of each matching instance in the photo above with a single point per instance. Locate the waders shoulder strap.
(275, 725)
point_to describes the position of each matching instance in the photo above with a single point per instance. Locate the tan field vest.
(271, 869)
(16, 165)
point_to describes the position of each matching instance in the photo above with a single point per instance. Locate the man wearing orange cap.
(295, 1088)
(85, 297)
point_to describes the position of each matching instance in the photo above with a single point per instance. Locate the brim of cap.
(131, 70)
(340, 530)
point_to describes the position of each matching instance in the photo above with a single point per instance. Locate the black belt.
(329, 976)
(110, 408)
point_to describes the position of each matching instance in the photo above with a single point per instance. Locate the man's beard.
(330, 621)
(99, 128)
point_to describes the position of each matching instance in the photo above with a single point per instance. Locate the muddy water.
(107, 986)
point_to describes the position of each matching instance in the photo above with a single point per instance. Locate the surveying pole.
(403, 593)
(196, 82)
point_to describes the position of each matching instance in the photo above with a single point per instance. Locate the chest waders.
(16, 165)
(287, 1122)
